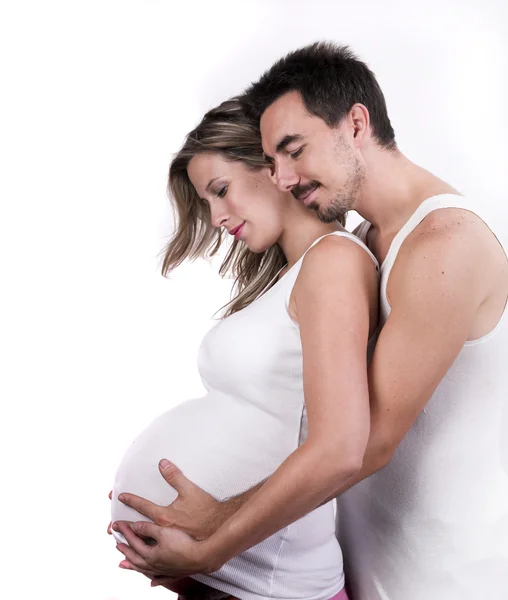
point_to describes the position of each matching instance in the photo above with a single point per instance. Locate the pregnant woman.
(285, 370)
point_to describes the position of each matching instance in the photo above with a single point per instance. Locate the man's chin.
(323, 214)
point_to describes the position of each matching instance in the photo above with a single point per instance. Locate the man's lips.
(236, 230)
(308, 196)
(305, 194)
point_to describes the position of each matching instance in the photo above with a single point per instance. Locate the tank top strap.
(361, 231)
(426, 207)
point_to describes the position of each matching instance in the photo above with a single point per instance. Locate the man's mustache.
(300, 191)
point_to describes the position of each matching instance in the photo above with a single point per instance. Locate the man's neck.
(394, 189)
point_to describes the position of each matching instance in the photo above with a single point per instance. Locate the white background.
(96, 96)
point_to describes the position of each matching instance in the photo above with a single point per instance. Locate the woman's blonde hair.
(228, 132)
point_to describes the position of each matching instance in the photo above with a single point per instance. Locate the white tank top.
(252, 418)
(433, 524)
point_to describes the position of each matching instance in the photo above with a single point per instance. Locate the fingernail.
(121, 497)
(164, 463)
(115, 527)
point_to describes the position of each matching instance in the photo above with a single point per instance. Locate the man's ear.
(359, 121)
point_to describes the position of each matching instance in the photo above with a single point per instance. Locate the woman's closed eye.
(296, 153)
(222, 192)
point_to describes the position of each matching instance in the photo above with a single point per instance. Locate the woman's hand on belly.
(172, 552)
(194, 511)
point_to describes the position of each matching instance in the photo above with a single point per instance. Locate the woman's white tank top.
(251, 419)
(433, 524)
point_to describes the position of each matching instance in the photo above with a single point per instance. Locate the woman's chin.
(259, 247)
(257, 250)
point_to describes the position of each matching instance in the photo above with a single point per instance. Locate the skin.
(451, 272)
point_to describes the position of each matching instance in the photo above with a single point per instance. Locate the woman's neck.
(301, 231)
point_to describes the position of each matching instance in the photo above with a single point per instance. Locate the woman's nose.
(219, 216)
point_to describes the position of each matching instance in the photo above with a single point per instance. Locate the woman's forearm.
(303, 481)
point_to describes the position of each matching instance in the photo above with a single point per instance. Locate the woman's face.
(245, 202)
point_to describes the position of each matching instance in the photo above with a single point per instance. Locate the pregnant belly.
(221, 444)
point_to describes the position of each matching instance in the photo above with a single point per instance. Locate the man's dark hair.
(330, 79)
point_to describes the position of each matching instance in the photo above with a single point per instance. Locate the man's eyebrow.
(286, 140)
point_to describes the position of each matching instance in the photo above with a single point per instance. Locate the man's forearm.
(228, 508)
(377, 455)
(298, 486)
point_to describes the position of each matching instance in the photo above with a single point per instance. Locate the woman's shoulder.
(341, 249)
(337, 273)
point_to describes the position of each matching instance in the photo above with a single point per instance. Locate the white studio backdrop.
(96, 96)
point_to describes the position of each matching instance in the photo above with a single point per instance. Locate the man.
(428, 516)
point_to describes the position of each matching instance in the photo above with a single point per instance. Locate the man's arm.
(194, 511)
(442, 275)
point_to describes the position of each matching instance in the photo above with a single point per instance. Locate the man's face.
(317, 163)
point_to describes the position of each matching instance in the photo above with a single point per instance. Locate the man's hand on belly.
(194, 511)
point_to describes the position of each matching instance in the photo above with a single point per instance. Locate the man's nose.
(285, 176)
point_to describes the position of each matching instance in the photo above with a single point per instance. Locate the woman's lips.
(237, 231)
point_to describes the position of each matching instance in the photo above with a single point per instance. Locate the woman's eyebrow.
(210, 183)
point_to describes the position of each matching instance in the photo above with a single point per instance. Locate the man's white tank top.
(433, 524)
(251, 419)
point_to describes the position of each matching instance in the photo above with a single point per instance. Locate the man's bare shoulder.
(454, 231)
(452, 224)
(451, 250)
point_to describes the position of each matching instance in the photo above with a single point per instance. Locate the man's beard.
(344, 200)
